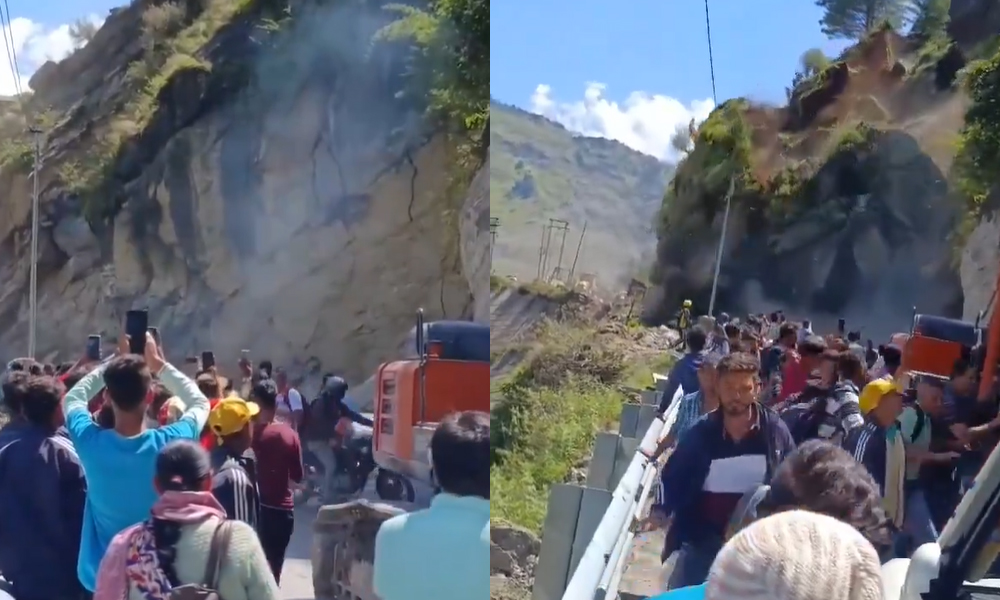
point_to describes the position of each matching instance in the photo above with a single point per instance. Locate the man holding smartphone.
(120, 462)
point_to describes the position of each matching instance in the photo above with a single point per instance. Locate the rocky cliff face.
(289, 200)
(477, 243)
(842, 206)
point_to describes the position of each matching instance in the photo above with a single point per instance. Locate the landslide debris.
(841, 202)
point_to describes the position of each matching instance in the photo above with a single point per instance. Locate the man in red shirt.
(209, 385)
(799, 366)
(279, 466)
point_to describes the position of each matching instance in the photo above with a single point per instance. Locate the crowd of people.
(778, 419)
(125, 478)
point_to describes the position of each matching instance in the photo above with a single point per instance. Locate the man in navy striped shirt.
(725, 454)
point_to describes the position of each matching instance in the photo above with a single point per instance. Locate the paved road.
(296, 576)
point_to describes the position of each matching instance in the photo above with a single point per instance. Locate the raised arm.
(78, 419)
(196, 405)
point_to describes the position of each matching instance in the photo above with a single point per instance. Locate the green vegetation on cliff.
(452, 64)
(977, 163)
(724, 151)
(174, 35)
(449, 71)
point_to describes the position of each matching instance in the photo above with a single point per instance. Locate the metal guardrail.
(599, 572)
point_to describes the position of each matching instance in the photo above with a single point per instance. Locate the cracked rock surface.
(304, 220)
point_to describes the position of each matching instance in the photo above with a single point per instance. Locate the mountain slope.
(540, 171)
(258, 174)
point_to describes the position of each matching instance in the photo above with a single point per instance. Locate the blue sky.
(651, 56)
(40, 31)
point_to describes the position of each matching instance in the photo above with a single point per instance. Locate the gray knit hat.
(796, 555)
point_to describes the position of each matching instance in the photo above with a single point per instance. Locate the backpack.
(804, 418)
(306, 406)
(209, 588)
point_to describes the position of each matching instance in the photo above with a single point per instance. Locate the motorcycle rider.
(321, 428)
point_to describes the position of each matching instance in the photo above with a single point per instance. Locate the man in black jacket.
(42, 495)
(320, 428)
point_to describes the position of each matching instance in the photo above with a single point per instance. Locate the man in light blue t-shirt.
(120, 462)
(442, 552)
(694, 592)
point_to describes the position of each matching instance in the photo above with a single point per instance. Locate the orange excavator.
(448, 372)
(935, 343)
(991, 337)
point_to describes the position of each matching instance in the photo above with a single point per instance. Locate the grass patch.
(551, 408)
(556, 433)
(640, 375)
(556, 293)
(498, 283)
(930, 54)
(859, 138)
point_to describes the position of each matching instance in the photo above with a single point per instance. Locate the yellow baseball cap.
(873, 393)
(231, 415)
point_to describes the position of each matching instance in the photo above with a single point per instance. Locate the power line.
(8, 40)
(711, 59)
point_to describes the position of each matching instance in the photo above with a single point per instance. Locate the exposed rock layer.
(874, 245)
(302, 214)
(845, 208)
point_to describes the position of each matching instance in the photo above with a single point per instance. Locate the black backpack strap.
(918, 427)
(769, 421)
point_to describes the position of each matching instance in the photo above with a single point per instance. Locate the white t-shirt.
(285, 407)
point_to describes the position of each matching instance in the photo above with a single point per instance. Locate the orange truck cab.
(935, 343)
(448, 372)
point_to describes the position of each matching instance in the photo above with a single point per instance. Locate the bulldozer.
(447, 372)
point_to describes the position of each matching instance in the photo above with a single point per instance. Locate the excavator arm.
(992, 346)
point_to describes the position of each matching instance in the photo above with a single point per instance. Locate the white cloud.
(645, 122)
(34, 44)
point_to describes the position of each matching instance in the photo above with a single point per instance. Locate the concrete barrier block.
(625, 452)
(594, 504)
(647, 414)
(558, 534)
(628, 422)
(602, 463)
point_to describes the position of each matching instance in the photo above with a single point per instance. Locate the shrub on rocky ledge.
(978, 159)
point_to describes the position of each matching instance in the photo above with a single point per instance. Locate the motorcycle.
(355, 464)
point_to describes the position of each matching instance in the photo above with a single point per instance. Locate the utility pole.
(33, 284)
(542, 251)
(494, 225)
(722, 246)
(576, 257)
(563, 227)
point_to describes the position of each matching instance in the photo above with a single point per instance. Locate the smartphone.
(155, 332)
(245, 354)
(841, 326)
(136, 326)
(207, 359)
(94, 347)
